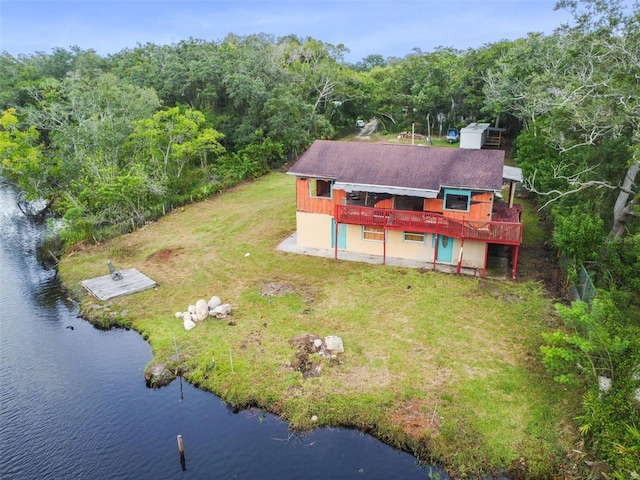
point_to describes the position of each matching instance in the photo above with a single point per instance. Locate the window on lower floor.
(320, 188)
(414, 237)
(370, 232)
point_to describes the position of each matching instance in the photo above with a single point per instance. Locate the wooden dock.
(105, 287)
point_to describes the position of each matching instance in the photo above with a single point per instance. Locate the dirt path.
(367, 130)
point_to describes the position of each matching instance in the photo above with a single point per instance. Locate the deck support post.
(460, 257)
(486, 260)
(512, 192)
(515, 262)
(435, 250)
(384, 246)
(335, 242)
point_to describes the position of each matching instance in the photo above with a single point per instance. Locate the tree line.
(108, 138)
(118, 139)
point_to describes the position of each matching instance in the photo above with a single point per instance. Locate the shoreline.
(407, 377)
(162, 374)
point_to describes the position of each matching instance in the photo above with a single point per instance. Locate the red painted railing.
(505, 232)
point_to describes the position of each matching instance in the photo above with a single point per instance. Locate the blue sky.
(389, 28)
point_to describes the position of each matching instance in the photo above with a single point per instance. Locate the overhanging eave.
(402, 191)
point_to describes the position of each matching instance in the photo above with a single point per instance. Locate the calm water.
(74, 405)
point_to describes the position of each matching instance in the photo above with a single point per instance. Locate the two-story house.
(427, 204)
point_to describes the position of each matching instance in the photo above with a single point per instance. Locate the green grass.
(379, 137)
(443, 366)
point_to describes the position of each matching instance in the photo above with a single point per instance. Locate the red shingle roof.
(404, 166)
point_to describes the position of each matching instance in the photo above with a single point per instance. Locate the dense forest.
(112, 142)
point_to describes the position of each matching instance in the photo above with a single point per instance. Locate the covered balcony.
(504, 228)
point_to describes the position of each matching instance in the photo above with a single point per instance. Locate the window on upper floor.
(457, 200)
(415, 204)
(320, 188)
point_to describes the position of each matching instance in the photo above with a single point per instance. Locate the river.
(74, 404)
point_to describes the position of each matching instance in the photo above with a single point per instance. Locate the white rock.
(635, 376)
(317, 343)
(314, 418)
(221, 311)
(187, 316)
(604, 383)
(202, 310)
(334, 344)
(247, 254)
(179, 314)
(188, 324)
(214, 302)
(192, 309)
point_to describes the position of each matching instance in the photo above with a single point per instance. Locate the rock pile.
(203, 310)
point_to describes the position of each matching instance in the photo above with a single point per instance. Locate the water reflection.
(74, 404)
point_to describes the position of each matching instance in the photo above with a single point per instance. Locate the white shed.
(474, 135)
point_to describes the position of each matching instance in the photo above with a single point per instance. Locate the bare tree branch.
(573, 181)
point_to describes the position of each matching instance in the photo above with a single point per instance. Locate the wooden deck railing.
(493, 141)
(504, 232)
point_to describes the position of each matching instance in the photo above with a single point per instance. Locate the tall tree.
(579, 87)
(369, 62)
(321, 80)
(173, 138)
(603, 98)
(85, 121)
(21, 156)
(524, 78)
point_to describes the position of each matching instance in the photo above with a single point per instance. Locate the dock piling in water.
(183, 462)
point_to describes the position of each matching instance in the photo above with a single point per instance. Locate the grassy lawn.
(378, 137)
(444, 366)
